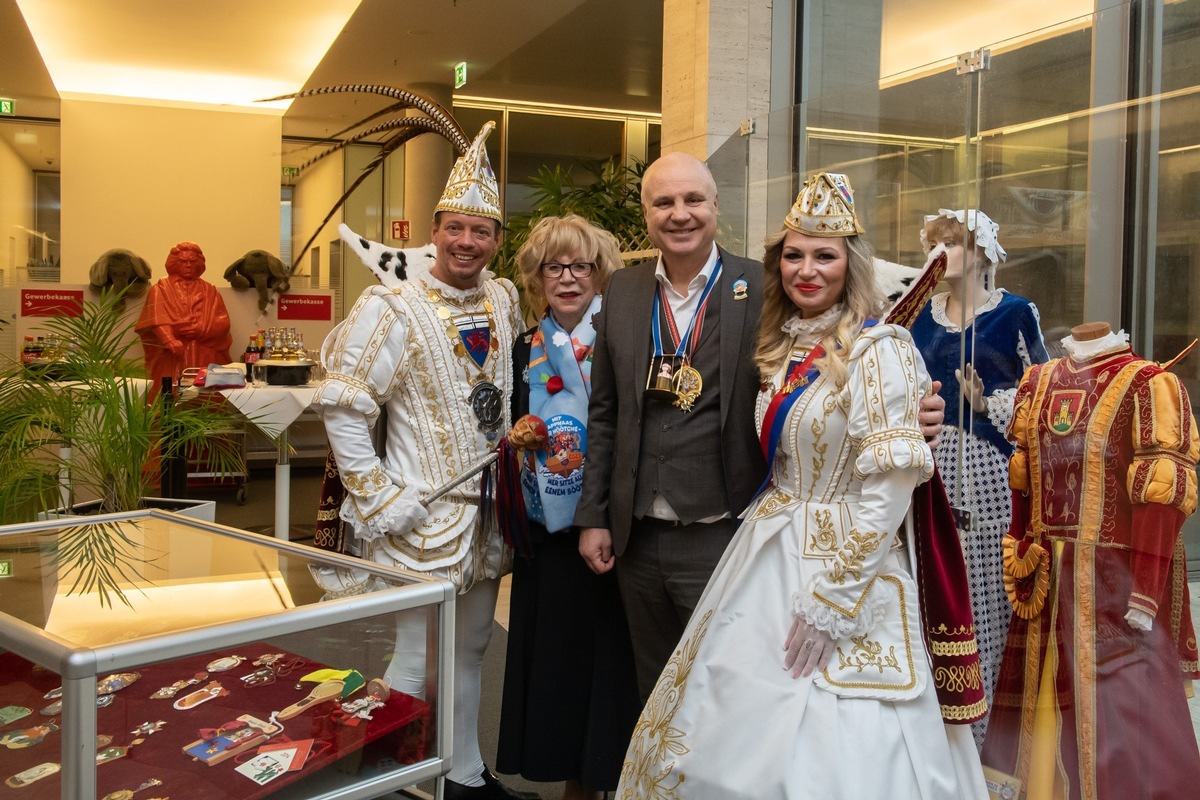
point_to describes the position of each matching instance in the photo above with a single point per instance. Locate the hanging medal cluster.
(470, 332)
(672, 378)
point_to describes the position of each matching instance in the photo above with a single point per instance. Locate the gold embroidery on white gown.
(725, 720)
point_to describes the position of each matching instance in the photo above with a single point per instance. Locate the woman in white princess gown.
(802, 672)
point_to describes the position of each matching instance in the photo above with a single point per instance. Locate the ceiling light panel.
(151, 50)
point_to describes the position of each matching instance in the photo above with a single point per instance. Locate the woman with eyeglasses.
(570, 695)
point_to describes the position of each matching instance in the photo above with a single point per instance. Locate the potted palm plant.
(85, 425)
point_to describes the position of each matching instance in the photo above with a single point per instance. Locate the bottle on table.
(250, 357)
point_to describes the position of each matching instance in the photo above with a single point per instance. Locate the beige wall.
(317, 189)
(16, 210)
(147, 177)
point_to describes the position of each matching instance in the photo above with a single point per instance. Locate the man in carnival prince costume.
(434, 352)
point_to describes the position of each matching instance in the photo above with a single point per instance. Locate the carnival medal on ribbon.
(473, 334)
(672, 378)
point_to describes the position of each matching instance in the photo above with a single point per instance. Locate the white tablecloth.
(272, 409)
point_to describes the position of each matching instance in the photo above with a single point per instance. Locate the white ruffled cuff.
(399, 516)
(806, 606)
(1139, 619)
(1000, 408)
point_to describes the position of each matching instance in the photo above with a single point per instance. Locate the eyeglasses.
(580, 269)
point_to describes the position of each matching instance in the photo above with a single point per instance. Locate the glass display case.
(146, 655)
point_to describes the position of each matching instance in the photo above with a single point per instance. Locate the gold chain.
(444, 313)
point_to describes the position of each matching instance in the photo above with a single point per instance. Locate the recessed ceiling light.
(279, 52)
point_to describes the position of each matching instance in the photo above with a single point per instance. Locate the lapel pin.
(739, 289)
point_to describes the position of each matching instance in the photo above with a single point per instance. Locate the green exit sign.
(8, 108)
(6, 569)
(460, 75)
(291, 172)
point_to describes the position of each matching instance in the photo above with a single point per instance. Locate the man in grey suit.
(664, 483)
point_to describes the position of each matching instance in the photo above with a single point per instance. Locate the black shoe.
(492, 789)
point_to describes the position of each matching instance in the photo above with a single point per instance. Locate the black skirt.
(570, 692)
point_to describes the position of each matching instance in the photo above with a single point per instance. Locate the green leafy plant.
(98, 558)
(86, 421)
(612, 201)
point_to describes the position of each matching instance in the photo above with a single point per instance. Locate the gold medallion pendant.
(687, 384)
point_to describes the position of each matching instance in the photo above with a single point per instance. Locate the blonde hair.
(860, 301)
(554, 237)
(939, 230)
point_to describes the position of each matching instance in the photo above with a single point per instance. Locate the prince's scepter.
(457, 480)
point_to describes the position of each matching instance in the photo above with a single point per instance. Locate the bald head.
(677, 164)
(679, 200)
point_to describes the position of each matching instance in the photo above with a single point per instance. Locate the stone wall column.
(716, 71)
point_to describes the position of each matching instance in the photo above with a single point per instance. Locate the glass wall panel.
(1036, 137)
(1078, 139)
(537, 141)
(1165, 307)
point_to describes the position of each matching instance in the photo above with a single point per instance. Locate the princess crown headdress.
(825, 207)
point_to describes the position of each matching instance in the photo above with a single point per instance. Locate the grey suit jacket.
(619, 369)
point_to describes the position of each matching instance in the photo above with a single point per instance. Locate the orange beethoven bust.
(184, 323)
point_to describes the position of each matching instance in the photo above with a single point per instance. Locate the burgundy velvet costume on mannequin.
(1090, 702)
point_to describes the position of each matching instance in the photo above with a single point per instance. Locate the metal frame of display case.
(79, 667)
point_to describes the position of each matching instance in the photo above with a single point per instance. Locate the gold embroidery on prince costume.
(1104, 468)
(425, 385)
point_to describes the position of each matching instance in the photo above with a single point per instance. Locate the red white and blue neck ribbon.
(800, 375)
(683, 344)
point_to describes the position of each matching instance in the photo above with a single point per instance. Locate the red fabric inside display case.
(397, 732)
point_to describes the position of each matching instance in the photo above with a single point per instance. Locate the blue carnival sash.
(800, 375)
(560, 385)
